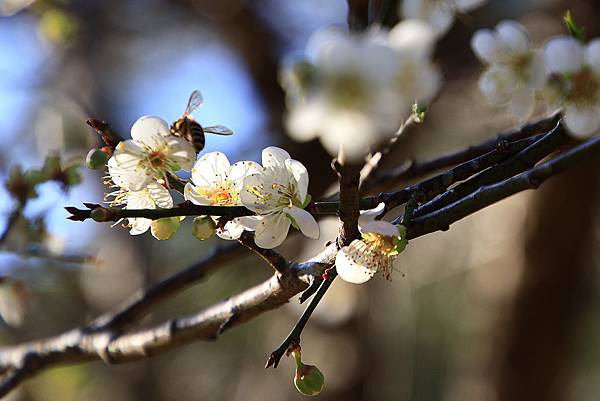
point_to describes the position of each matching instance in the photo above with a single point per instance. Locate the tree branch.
(414, 169)
(489, 194)
(105, 338)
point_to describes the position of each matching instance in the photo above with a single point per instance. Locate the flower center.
(382, 243)
(520, 64)
(222, 197)
(347, 90)
(584, 88)
(157, 159)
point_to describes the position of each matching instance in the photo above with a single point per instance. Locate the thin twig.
(294, 337)
(100, 213)
(519, 162)
(487, 195)
(414, 169)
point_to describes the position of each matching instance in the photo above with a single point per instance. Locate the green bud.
(72, 176)
(96, 159)
(308, 379)
(100, 214)
(165, 228)
(52, 166)
(203, 227)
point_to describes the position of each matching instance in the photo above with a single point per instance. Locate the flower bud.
(96, 159)
(203, 227)
(165, 228)
(308, 379)
(100, 214)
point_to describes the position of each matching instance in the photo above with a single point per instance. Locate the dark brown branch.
(294, 337)
(518, 163)
(100, 213)
(439, 183)
(416, 169)
(487, 195)
(275, 260)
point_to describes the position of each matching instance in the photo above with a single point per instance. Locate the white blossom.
(216, 182)
(151, 196)
(345, 96)
(380, 244)
(575, 70)
(278, 193)
(439, 14)
(515, 71)
(151, 154)
(418, 80)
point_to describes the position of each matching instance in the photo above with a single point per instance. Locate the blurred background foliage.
(503, 306)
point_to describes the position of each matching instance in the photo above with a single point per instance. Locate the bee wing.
(218, 129)
(194, 102)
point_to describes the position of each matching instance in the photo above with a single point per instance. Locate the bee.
(189, 129)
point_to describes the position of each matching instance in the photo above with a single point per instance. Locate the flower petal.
(211, 170)
(241, 170)
(582, 123)
(305, 119)
(497, 84)
(140, 200)
(414, 37)
(192, 194)
(139, 225)
(522, 104)
(249, 222)
(468, 5)
(160, 195)
(563, 54)
(128, 179)
(514, 36)
(300, 174)
(274, 157)
(232, 230)
(257, 194)
(150, 131)
(181, 152)
(592, 55)
(305, 221)
(350, 268)
(367, 216)
(486, 46)
(272, 230)
(380, 227)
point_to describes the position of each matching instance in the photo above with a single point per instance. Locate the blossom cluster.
(354, 89)
(564, 74)
(276, 191)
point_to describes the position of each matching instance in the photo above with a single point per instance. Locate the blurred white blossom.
(438, 14)
(278, 193)
(515, 71)
(356, 89)
(344, 96)
(417, 78)
(216, 182)
(380, 244)
(575, 78)
(151, 154)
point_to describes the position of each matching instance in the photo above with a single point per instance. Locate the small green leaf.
(574, 30)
